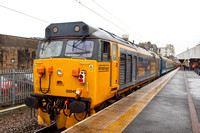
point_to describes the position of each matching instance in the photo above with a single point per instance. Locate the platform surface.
(170, 104)
(194, 85)
(169, 109)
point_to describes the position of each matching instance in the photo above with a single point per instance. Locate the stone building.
(149, 46)
(167, 51)
(17, 52)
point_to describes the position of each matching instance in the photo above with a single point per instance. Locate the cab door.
(114, 66)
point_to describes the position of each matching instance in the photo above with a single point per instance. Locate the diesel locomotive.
(80, 69)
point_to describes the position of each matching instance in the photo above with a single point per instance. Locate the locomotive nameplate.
(103, 68)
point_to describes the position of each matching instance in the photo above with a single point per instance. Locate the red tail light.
(81, 78)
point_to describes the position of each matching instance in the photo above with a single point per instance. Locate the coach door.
(114, 66)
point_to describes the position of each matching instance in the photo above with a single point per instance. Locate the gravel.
(19, 121)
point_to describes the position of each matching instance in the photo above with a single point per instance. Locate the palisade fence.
(15, 86)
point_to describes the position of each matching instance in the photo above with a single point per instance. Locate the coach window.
(140, 60)
(104, 51)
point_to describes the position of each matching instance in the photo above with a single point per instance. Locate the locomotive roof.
(81, 29)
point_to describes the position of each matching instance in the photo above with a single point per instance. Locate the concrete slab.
(193, 80)
(167, 112)
(117, 116)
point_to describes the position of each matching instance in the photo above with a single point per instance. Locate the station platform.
(169, 104)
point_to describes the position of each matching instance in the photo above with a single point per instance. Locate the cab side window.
(114, 53)
(104, 51)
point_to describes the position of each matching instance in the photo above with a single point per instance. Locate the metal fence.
(15, 86)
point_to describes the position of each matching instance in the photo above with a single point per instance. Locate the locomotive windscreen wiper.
(78, 42)
(81, 53)
(77, 48)
(43, 48)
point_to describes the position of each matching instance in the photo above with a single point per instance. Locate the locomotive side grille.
(134, 67)
(122, 76)
(129, 69)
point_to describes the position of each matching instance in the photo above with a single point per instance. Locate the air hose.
(64, 107)
(48, 87)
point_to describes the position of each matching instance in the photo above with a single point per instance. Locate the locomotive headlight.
(76, 28)
(59, 72)
(55, 29)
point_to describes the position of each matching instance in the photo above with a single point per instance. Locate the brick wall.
(17, 52)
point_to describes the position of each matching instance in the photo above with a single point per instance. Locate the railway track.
(52, 129)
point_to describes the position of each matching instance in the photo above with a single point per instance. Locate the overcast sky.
(161, 22)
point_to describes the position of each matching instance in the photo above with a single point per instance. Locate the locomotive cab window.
(104, 51)
(50, 49)
(77, 48)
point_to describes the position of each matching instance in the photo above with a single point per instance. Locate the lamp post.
(13, 61)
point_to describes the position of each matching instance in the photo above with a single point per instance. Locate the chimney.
(125, 37)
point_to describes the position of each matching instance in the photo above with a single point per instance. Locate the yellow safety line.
(123, 121)
(12, 108)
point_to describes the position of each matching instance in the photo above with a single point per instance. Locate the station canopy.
(193, 53)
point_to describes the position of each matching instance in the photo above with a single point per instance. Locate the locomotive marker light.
(59, 72)
(81, 77)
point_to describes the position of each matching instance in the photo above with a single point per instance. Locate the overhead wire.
(78, 1)
(24, 14)
(85, 7)
(100, 16)
(115, 18)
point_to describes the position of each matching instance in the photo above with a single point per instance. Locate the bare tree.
(171, 47)
(172, 51)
